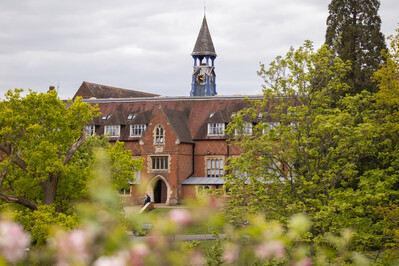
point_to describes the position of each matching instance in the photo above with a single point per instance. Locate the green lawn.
(196, 229)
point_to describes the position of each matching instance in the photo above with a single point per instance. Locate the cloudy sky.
(146, 45)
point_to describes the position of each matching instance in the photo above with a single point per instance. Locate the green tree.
(47, 159)
(387, 104)
(43, 160)
(353, 32)
(307, 151)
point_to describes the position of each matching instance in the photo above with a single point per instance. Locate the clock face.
(200, 78)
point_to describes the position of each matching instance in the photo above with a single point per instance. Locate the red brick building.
(181, 139)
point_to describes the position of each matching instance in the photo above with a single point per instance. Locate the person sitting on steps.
(147, 199)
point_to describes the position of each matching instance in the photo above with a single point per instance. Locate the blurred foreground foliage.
(102, 237)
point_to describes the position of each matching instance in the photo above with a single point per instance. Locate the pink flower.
(138, 253)
(230, 256)
(72, 247)
(13, 241)
(181, 217)
(270, 249)
(304, 262)
(197, 258)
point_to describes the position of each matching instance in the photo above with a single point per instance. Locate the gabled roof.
(178, 121)
(92, 90)
(204, 44)
(188, 116)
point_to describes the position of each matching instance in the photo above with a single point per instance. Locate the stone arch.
(159, 189)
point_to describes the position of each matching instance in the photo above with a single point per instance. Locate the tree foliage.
(46, 158)
(353, 32)
(314, 153)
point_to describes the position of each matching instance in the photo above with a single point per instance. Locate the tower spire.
(204, 54)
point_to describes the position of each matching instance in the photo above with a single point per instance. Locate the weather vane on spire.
(204, 8)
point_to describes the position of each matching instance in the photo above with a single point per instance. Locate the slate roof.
(204, 44)
(203, 181)
(179, 123)
(92, 90)
(187, 115)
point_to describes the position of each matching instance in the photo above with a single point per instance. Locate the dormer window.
(137, 130)
(215, 129)
(112, 130)
(245, 130)
(159, 135)
(90, 129)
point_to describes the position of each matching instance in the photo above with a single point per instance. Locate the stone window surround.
(214, 160)
(159, 135)
(150, 163)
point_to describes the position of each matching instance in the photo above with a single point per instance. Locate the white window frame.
(216, 129)
(90, 129)
(245, 130)
(137, 130)
(271, 126)
(112, 130)
(214, 166)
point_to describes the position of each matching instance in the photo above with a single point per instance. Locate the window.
(112, 130)
(215, 129)
(137, 130)
(159, 162)
(271, 126)
(105, 117)
(245, 130)
(214, 167)
(124, 192)
(159, 135)
(90, 129)
(131, 116)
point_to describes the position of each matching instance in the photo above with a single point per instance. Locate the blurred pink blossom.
(138, 253)
(197, 258)
(181, 217)
(304, 262)
(270, 249)
(230, 256)
(13, 241)
(72, 247)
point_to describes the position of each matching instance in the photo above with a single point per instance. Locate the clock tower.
(203, 79)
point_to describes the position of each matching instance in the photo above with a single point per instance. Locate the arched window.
(159, 135)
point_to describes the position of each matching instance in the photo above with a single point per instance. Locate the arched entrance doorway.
(159, 189)
(160, 192)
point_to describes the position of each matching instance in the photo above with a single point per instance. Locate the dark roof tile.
(92, 90)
